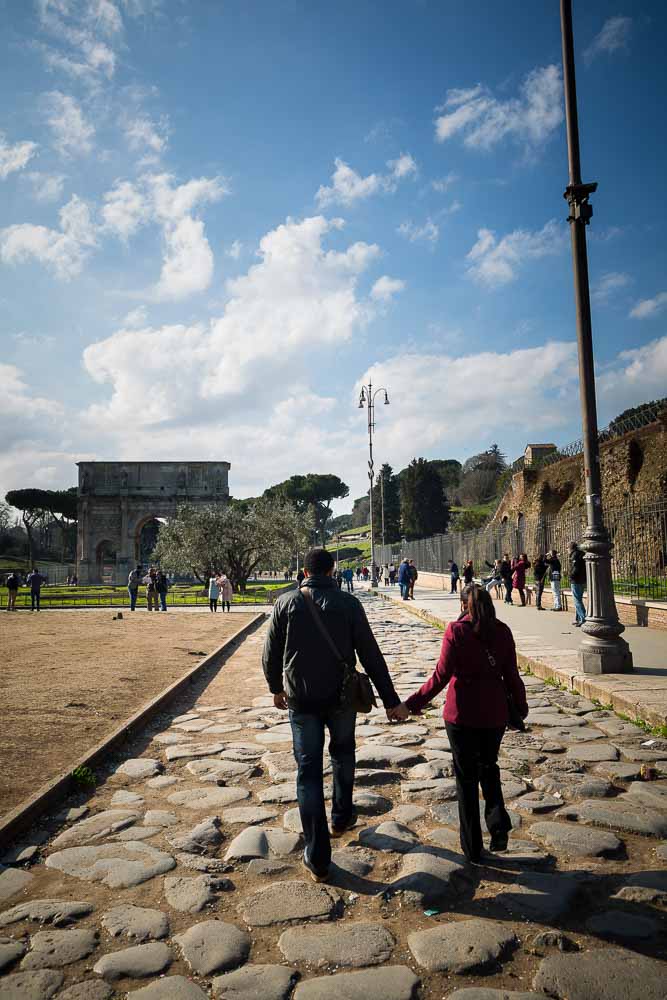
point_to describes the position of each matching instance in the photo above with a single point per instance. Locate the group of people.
(157, 586)
(407, 577)
(220, 590)
(316, 633)
(509, 574)
(35, 580)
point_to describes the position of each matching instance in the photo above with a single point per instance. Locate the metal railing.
(638, 530)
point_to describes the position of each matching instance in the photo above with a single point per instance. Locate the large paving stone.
(378, 756)
(255, 982)
(652, 794)
(200, 839)
(262, 842)
(277, 734)
(431, 769)
(160, 817)
(169, 988)
(248, 815)
(95, 828)
(592, 753)
(285, 792)
(214, 769)
(58, 912)
(139, 767)
(190, 894)
(429, 873)
(136, 922)
(353, 861)
(434, 790)
(574, 786)
(375, 776)
(53, 949)
(389, 836)
(213, 946)
(539, 897)
(283, 902)
(392, 982)
(117, 865)
(448, 813)
(615, 924)
(618, 814)
(537, 802)
(184, 751)
(127, 799)
(579, 841)
(644, 886)
(464, 946)
(618, 771)
(10, 950)
(603, 974)
(369, 803)
(408, 813)
(38, 985)
(208, 798)
(348, 944)
(134, 963)
(89, 989)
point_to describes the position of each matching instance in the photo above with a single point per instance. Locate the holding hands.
(400, 713)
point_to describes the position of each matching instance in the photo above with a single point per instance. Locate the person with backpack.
(314, 636)
(540, 570)
(13, 584)
(578, 582)
(478, 666)
(133, 581)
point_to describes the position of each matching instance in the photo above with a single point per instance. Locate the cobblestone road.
(180, 877)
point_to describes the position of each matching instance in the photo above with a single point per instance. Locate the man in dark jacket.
(578, 582)
(453, 576)
(404, 578)
(506, 574)
(304, 676)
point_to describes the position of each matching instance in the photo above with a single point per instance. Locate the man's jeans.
(454, 583)
(163, 601)
(35, 598)
(555, 590)
(308, 741)
(578, 595)
(133, 591)
(405, 590)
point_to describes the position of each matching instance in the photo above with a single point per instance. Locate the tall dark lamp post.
(602, 649)
(367, 398)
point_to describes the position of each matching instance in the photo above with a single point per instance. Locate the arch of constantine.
(121, 504)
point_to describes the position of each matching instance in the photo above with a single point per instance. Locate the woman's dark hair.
(479, 605)
(318, 562)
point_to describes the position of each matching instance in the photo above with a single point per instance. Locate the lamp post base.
(615, 659)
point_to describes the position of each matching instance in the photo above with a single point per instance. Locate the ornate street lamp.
(367, 398)
(602, 649)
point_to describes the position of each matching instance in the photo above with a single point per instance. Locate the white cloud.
(648, 308)
(296, 298)
(494, 262)
(72, 134)
(608, 285)
(125, 209)
(484, 120)
(85, 33)
(16, 397)
(614, 35)
(404, 166)
(385, 288)
(348, 186)
(442, 184)
(135, 319)
(172, 203)
(634, 377)
(14, 157)
(187, 267)
(144, 135)
(46, 187)
(62, 250)
(429, 231)
(234, 251)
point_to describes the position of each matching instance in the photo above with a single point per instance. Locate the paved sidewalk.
(549, 643)
(180, 877)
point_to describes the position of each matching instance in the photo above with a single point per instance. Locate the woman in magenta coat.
(478, 663)
(519, 567)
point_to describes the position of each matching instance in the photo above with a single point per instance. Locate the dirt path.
(68, 678)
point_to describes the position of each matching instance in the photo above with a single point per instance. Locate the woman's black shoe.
(498, 843)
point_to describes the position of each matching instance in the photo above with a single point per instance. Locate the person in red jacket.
(478, 662)
(519, 567)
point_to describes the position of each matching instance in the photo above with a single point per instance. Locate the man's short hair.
(318, 562)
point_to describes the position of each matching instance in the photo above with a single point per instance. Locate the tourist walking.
(385, 574)
(506, 574)
(133, 581)
(13, 584)
(404, 579)
(162, 589)
(226, 591)
(151, 589)
(306, 676)
(519, 567)
(348, 576)
(392, 574)
(300, 577)
(553, 562)
(478, 663)
(35, 581)
(453, 576)
(468, 573)
(540, 570)
(413, 579)
(213, 593)
(578, 582)
(495, 581)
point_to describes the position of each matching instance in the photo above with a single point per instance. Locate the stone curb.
(48, 795)
(592, 686)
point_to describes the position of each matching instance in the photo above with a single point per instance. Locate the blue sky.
(218, 217)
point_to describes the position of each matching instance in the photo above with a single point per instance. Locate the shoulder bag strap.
(317, 618)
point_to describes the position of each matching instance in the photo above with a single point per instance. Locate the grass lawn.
(118, 597)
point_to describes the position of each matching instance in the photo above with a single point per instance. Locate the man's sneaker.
(315, 874)
(498, 843)
(338, 831)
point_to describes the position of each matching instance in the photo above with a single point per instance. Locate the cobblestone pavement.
(181, 877)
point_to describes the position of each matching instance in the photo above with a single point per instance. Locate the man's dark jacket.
(577, 566)
(296, 651)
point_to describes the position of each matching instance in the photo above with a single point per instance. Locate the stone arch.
(145, 537)
(105, 561)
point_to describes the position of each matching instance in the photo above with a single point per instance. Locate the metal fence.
(638, 530)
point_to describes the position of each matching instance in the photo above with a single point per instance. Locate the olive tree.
(239, 538)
